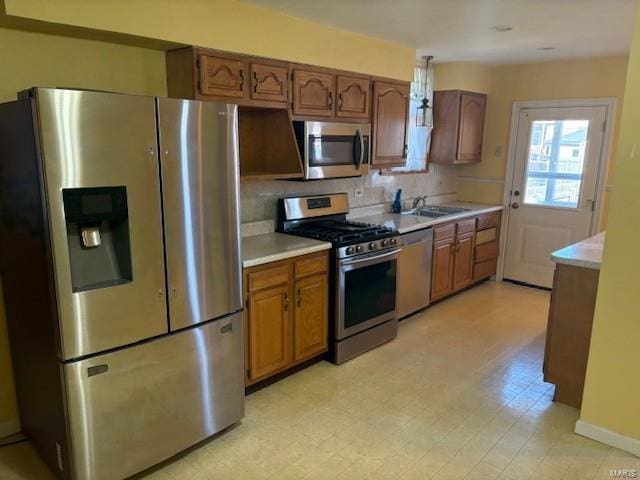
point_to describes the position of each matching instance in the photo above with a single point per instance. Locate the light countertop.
(587, 253)
(271, 247)
(410, 223)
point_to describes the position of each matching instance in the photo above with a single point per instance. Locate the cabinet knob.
(286, 301)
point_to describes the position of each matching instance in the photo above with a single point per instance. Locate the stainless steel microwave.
(333, 150)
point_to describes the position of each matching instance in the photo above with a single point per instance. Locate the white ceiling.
(456, 30)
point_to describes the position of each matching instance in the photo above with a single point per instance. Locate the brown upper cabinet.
(222, 77)
(269, 83)
(354, 97)
(390, 123)
(299, 92)
(313, 93)
(458, 127)
(204, 74)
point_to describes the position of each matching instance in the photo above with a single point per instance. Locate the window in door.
(555, 162)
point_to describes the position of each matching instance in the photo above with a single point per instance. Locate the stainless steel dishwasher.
(414, 272)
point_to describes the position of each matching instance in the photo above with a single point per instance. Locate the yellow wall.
(33, 59)
(30, 59)
(228, 25)
(475, 77)
(612, 390)
(594, 77)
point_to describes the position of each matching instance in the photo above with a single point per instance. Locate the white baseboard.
(608, 437)
(9, 427)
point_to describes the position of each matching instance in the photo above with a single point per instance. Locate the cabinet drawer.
(486, 251)
(442, 232)
(486, 236)
(485, 269)
(466, 226)
(488, 220)
(308, 266)
(268, 277)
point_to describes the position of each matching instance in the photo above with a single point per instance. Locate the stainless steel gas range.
(364, 271)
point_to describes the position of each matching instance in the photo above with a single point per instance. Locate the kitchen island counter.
(587, 253)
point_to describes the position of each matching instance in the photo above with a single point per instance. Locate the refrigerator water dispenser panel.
(98, 237)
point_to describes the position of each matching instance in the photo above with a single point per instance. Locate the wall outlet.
(359, 192)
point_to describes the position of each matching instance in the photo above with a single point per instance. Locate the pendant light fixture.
(423, 104)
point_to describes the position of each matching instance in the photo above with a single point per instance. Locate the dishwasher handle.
(424, 235)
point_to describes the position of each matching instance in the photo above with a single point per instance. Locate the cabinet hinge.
(604, 126)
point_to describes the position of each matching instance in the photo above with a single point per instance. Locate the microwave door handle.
(358, 150)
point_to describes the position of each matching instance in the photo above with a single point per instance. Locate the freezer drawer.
(131, 409)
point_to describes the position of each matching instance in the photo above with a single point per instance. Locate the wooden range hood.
(268, 148)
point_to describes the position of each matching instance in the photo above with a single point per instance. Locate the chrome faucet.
(417, 200)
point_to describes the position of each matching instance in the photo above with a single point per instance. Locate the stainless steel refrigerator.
(120, 263)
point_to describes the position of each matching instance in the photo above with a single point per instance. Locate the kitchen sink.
(435, 211)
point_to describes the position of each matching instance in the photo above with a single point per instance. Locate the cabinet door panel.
(313, 93)
(463, 262)
(269, 82)
(391, 116)
(222, 77)
(353, 97)
(472, 109)
(311, 317)
(441, 268)
(269, 332)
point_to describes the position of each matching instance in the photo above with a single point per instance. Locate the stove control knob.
(394, 241)
(385, 243)
(349, 250)
(358, 248)
(372, 246)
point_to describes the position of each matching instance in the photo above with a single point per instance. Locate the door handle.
(515, 205)
(516, 193)
(358, 150)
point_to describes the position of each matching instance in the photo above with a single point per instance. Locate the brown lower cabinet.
(573, 303)
(286, 315)
(464, 251)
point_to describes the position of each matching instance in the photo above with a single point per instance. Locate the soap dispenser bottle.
(396, 207)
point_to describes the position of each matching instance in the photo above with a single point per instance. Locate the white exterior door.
(553, 191)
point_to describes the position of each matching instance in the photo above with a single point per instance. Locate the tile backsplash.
(258, 198)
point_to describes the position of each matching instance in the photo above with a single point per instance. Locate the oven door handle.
(370, 259)
(358, 150)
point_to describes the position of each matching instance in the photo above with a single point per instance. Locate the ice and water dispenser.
(98, 236)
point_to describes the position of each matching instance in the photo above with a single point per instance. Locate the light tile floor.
(458, 395)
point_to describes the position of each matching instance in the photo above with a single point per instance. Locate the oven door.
(333, 150)
(366, 292)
